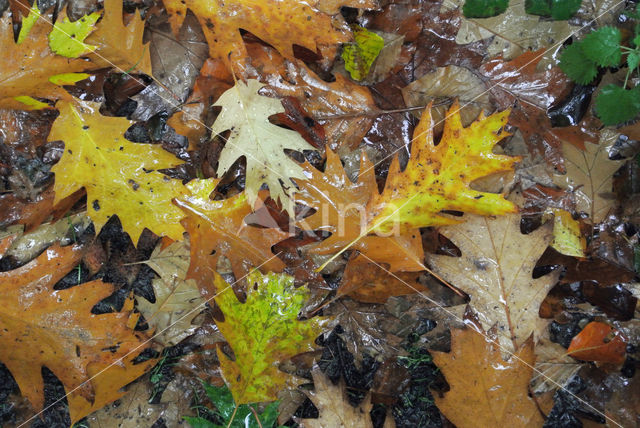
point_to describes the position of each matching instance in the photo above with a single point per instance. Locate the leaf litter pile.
(320, 214)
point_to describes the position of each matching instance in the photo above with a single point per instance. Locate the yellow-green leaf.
(120, 177)
(31, 103)
(438, 177)
(359, 56)
(67, 38)
(28, 22)
(263, 332)
(67, 78)
(567, 238)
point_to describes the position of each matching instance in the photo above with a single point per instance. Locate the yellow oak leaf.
(279, 23)
(92, 355)
(486, 391)
(438, 177)
(119, 45)
(119, 176)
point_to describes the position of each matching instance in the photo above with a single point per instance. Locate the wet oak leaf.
(263, 332)
(40, 326)
(589, 174)
(345, 109)
(115, 172)
(177, 299)
(486, 391)
(218, 229)
(245, 113)
(333, 405)
(495, 270)
(26, 67)
(120, 45)
(278, 23)
(438, 177)
(340, 205)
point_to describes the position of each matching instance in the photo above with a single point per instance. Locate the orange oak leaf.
(119, 45)
(367, 282)
(41, 326)
(599, 342)
(517, 82)
(340, 210)
(26, 67)
(218, 229)
(486, 391)
(279, 23)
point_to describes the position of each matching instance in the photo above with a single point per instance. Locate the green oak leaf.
(617, 105)
(603, 46)
(359, 56)
(225, 409)
(576, 65)
(484, 8)
(263, 332)
(67, 38)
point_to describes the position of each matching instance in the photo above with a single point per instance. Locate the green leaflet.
(603, 46)
(244, 417)
(556, 9)
(616, 105)
(359, 56)
(263, 332)
(576, 65)
(484, 8)
(67, 37)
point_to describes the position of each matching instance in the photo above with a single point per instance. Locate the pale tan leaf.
(590, 175)
(496, 271)
(176, 297)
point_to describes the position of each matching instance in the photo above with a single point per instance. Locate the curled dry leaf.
(40, 326)
(178, 299)
(486, 391)
(496, 271)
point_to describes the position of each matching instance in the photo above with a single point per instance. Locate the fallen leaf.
(590, 176)
(115, 172)
(263, 332)
(512, 32)
(67, 38)
(567, 236)
(496, 271)
(367, 282)
(486, 391)
(517, 83)
(599, 342)
(120, 45)
(345, 109)
(438, 178)
(27, 67)
(340, 208)
(333, 405)
(246, 114)
(40, 326)
(177, 299)
(218, 229)
(280, 24)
